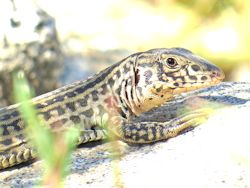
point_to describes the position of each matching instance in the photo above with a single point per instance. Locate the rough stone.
(28, 42)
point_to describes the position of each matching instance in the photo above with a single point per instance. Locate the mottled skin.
(128, 88)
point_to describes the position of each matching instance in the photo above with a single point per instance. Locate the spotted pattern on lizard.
(126, 89)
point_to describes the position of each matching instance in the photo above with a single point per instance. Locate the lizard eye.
(171, 62)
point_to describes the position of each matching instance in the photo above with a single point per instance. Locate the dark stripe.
(8, 116)
(195, 68)
(127, 69)
(84, 101)
(85, 86)
(160, 71)
(118, 73)
(45, 115)
(75, 119)
(99, 77)
(111, 82)
(104, 89)
(5, 117)
(5, 131)
(11, 124)
(88, 113)
(79, 90)
(95, 95)
(192, 77)
(71, 106)
(60, 110)
(203, 78)
(6, 142)
(101, 109)
(58, 98)
(70, 94)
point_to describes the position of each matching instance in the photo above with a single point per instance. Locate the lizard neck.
(131, 98)
(123, 87)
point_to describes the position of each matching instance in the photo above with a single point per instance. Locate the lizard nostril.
(218, 74)
(215, 73)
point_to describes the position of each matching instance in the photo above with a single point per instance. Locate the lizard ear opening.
(137, 77)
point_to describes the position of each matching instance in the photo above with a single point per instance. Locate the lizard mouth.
(190, 86)
(200, 81)
(188, 83)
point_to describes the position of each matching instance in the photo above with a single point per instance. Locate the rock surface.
(28, 42)
(215, 154)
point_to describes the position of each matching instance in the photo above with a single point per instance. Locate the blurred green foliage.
(54, 148)
(210, 8)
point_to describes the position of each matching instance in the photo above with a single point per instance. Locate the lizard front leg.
(146, 132)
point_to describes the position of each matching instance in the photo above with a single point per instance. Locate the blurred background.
(91, 35)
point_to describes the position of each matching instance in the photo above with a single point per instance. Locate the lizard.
(126, 89)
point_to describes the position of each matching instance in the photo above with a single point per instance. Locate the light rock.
(28, 42)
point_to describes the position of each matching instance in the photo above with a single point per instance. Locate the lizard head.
(160, 74)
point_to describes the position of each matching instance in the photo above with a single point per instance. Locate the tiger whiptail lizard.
(126, 89)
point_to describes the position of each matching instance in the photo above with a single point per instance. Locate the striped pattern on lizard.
(128, 88)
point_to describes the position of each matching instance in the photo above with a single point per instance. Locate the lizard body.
(126, 89)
